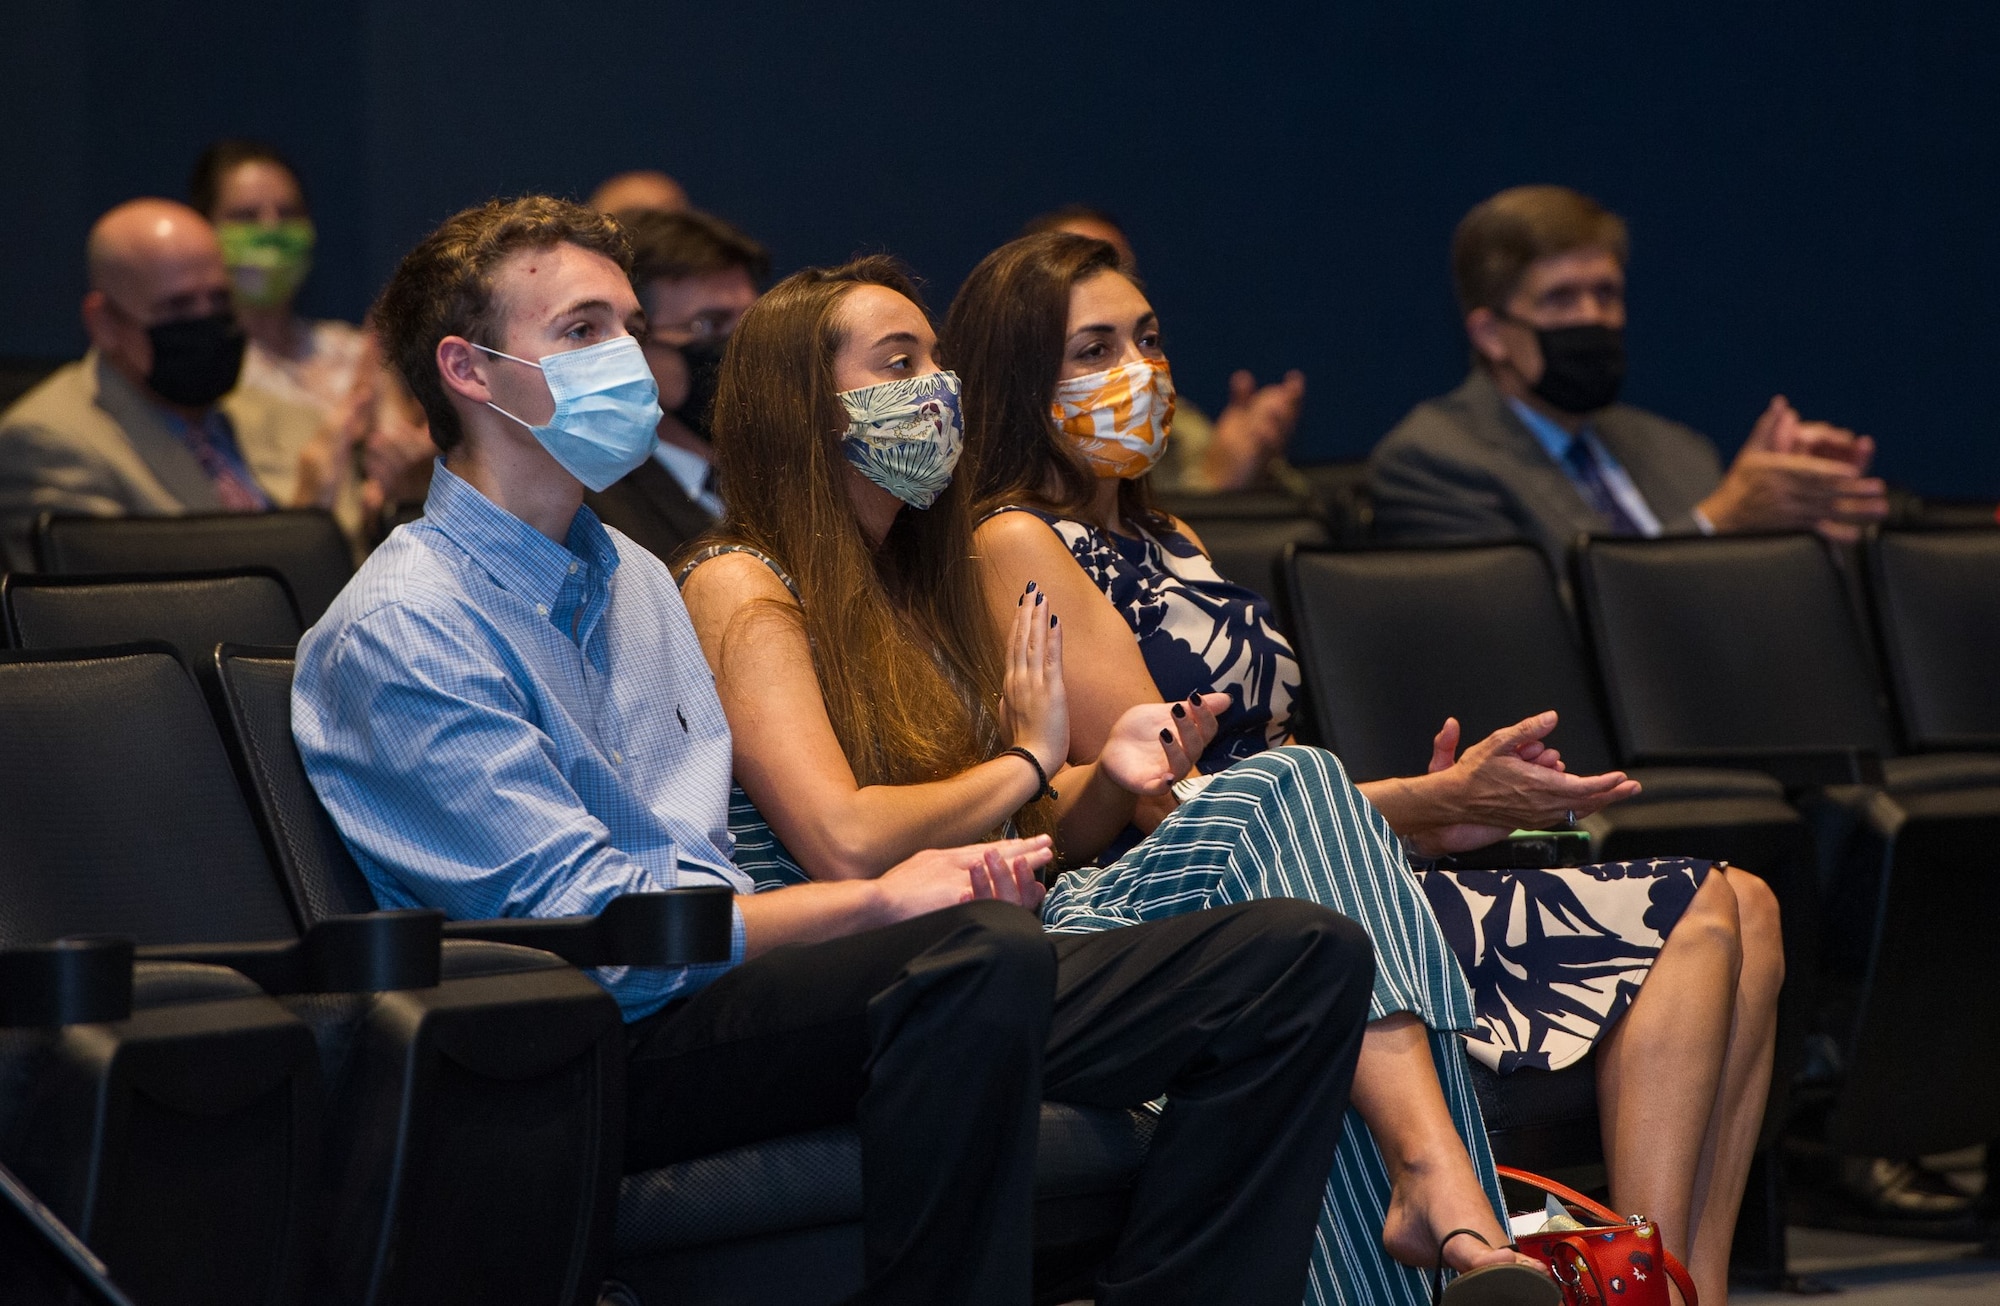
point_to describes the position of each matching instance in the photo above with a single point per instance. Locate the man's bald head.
(147, 251)
(151, 261)
(646, 189)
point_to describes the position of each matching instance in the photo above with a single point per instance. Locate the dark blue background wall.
(1812, 187)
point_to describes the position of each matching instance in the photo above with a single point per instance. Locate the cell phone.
(1525, 850)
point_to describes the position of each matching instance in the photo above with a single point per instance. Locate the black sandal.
(1513, 1284)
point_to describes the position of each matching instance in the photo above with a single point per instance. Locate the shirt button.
(541, 609)
(617, 757)
(574, 567)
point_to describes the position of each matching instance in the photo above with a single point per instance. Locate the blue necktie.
(1588, 475)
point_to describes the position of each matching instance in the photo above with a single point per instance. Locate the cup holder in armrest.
(373, 953)
(76, 981)
(681, 927)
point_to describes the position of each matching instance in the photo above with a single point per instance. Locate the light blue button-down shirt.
(502, 725)
(1551, 436)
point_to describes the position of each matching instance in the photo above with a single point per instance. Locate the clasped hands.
(1798, 475)
(1510, 780)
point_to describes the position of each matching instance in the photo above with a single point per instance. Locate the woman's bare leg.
(1433, 1188)
(1746, 1079)
(1660, 1068)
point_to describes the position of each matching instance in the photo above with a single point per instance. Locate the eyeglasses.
(702, 326)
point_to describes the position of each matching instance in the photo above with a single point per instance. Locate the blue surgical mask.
(607, 409)
(906, 435)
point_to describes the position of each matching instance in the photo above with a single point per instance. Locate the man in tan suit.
(149, 422)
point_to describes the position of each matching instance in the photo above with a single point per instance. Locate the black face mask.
(196, 360)
(1582, 366)
(704, 365)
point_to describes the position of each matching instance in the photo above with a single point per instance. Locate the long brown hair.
(1004, 336)
(908, 670)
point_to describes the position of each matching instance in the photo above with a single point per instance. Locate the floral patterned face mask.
(906, 435)
(1118, 419)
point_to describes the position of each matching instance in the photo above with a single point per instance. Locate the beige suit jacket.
(87, 441)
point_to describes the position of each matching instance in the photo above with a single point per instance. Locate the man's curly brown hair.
(444, 287)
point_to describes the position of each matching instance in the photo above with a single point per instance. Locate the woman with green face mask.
(253, 196)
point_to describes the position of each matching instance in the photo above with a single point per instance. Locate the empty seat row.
(1735, 678)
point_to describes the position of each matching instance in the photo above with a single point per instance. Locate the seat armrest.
(372, 953)
(680, 927)
(74, 981)
(1795, 768)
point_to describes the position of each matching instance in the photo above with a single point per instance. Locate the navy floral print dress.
(1553, 957)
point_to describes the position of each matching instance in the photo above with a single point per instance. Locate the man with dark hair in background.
(1535, 445)
(1243, 445)
(694, 275)
(151, 421)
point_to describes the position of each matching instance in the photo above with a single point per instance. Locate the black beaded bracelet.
(1046, 791)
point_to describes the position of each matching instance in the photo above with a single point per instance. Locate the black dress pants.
(938, 1038)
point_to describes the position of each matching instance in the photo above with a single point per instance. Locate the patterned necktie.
(231, 480)
(1588, 475)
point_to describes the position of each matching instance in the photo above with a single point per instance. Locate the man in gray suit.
(149, 422)
(1534, 445)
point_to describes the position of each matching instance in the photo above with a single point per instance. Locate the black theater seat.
(776, 1222)
(302, 544)
(1748, 649)
(1246, 532)
(472, 1126)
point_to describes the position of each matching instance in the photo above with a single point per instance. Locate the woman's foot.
(1428, 1201)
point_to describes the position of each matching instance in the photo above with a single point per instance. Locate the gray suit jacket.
(86, 441)
(1464, 467)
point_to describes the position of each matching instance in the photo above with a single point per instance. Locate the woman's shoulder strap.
(1049, 517)
(717, 550)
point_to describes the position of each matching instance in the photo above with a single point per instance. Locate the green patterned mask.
(267, 263)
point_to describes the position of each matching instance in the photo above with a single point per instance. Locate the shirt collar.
(518, 558)
(1547, 431)
(687, 467)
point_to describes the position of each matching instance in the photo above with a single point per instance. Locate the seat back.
(1728, 643)
(106, 754)
(257, 697)
(1342, 490)
(1392, 642)
(1246, 532)
(303, 545)
(193, 613)
(1937, 607)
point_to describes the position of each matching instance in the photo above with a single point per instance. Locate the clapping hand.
(1034, 711)
(1798, 475)
(1510, 780)
(1154, 744)
(1252, 429)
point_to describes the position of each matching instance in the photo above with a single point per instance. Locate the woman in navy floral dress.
(1067, 400)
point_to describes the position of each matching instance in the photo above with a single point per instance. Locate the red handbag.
(1619, 1263)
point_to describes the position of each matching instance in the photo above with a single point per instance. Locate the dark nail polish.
(1017, 602)
(1038, 599)
(1166, 737)
(1031, 587)
(1195, 698)
(1179, 711)
(1052, 621)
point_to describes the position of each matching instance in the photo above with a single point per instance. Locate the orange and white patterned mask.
(1118, 419)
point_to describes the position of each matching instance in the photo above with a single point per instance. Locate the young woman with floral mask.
(872, 710)
(1068, 399)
